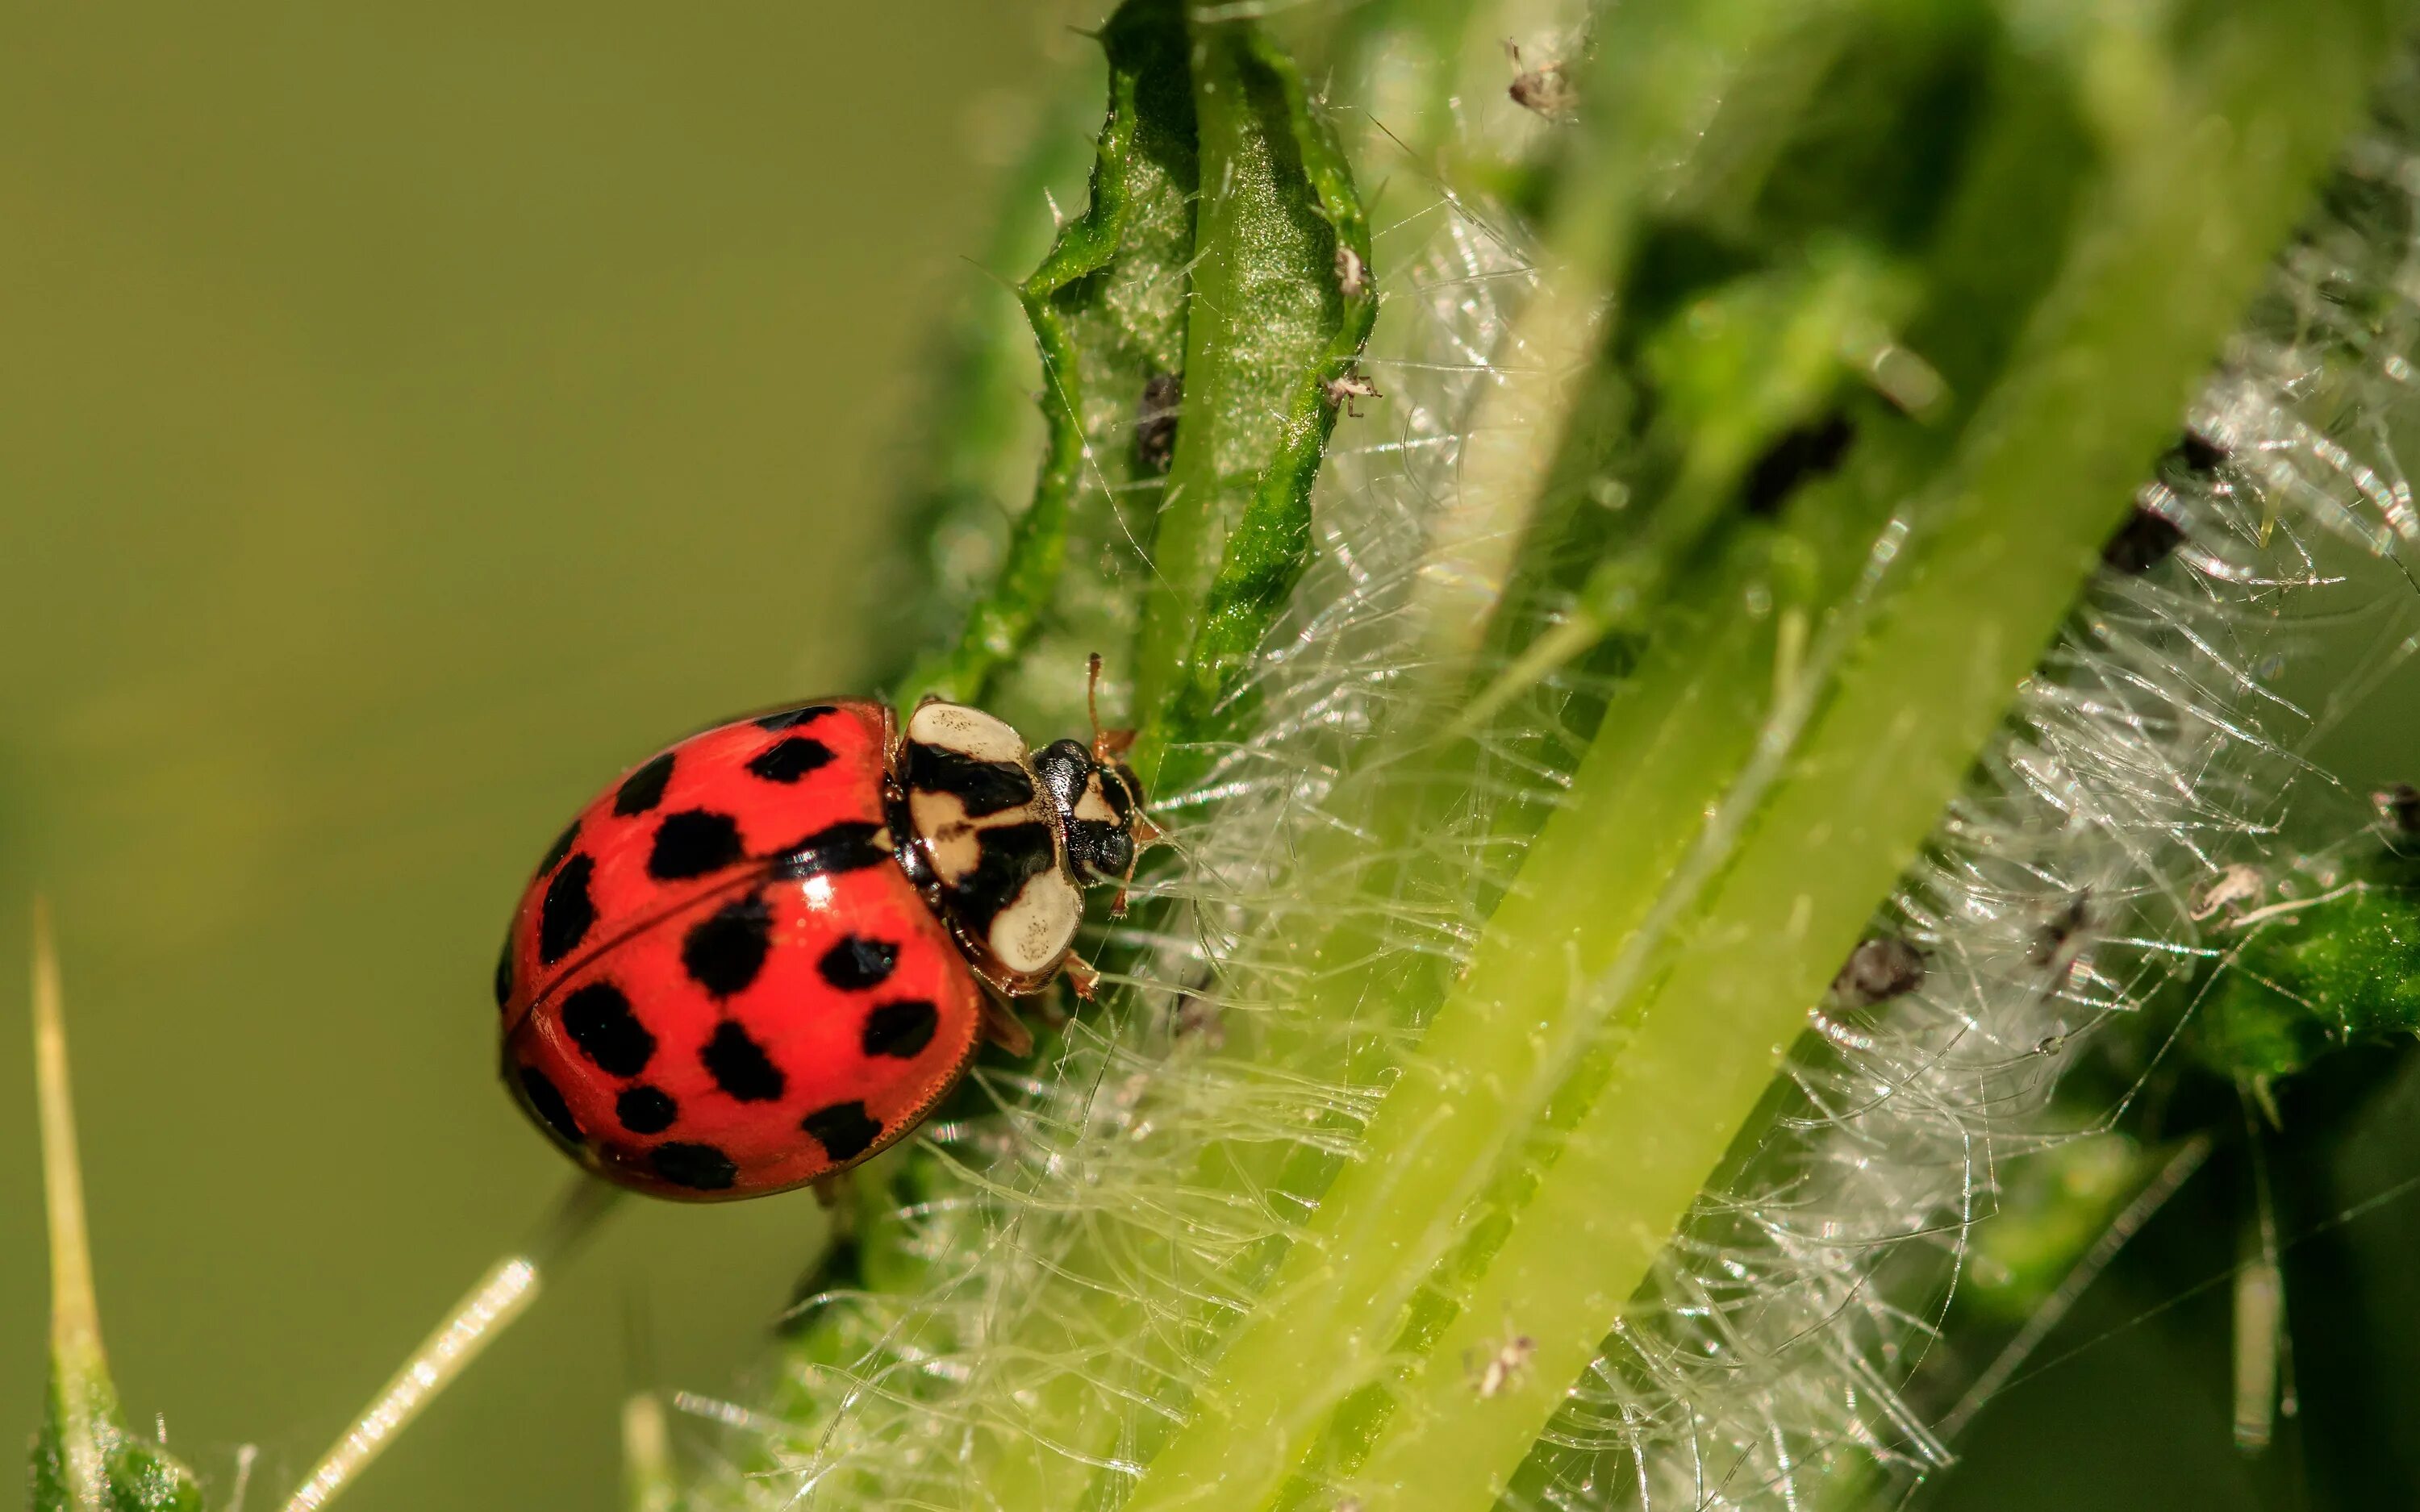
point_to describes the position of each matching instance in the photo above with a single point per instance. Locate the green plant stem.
(83, 1459)
(2202, 185)
(492, 1304)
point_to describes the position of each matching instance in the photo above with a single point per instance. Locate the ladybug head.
(1100, 809)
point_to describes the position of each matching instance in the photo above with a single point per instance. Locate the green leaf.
(1107, 308)
(1284, 301)
(85, 1460)
(2337, 968)
(1700, 951)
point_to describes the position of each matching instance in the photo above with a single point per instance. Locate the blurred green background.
(411, 415)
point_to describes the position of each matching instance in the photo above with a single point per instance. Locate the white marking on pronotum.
(1036, 927)
(1093, 806)
(970, 732)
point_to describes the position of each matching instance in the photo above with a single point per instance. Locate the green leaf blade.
(1281, 306)
(1107, 308)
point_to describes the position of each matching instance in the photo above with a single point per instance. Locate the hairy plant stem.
(1661, 77)
(2205, 168)
(84, 1459)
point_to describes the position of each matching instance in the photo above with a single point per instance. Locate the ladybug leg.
(832, 1191)
(1002, 1027)
(1081, 977)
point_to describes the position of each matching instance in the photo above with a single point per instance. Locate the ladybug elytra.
(768, 953)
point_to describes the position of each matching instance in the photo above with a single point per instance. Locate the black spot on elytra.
(561, 848)
(791, 760)
(2142, 541)
(600, 1021)
(1011, 856)
(692, 843)
(843, 1129)
(645, 1110)
(723, 951)
(900, 1030)
(857, 963)
(699, 1167)
(790, 718)
(644, 788)
(505, 972)
(1807, 452)
(564, 918)
(850, 845)
(738, 1066)
(983, 787)
(548, 1103)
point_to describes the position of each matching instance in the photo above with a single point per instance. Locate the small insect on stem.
(1547, 89)
(1504, 1366)
(2146, 540)
(1878, 970)
(1352, 273)
(1156, 416)
(1347, 386)
(2238, 884)
(2062, 941)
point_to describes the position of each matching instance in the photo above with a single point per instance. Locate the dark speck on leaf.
(1163, 394)
(1878, 970)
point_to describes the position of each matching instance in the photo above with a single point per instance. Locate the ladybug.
(769, 950)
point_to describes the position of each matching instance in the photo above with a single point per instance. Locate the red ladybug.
(755, 960)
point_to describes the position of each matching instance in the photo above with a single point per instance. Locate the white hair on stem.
(1073, 1247)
